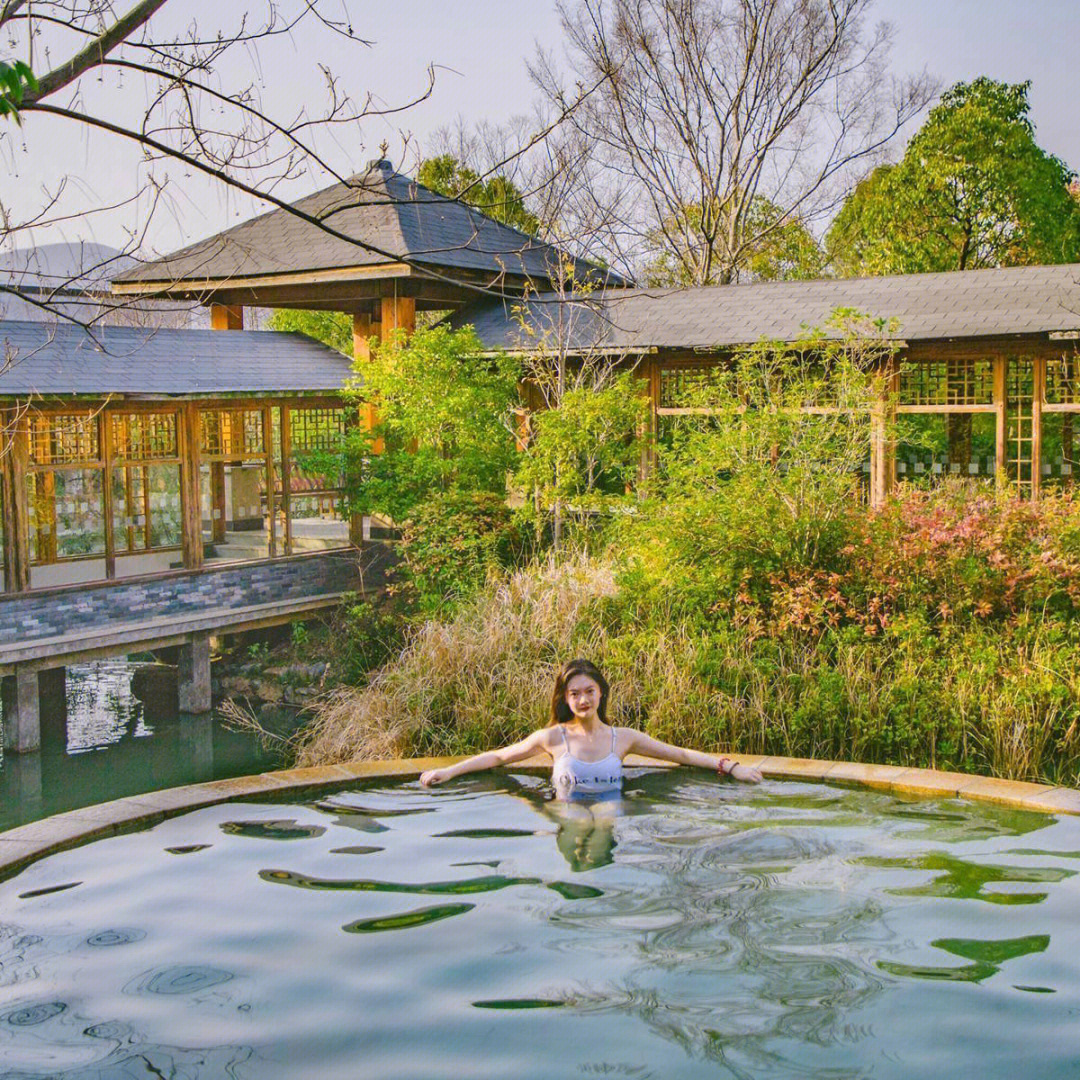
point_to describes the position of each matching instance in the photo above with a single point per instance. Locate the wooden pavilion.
(986, 361)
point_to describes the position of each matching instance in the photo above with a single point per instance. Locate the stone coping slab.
(23, 845)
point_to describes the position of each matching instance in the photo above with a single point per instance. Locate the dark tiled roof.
(37, 358)
(396, 215)
(963, 304)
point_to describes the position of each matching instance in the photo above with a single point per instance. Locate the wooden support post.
(22, 715)
(188, 424)
(226, 317)
(882, 448)
(218, 509)
(105, 441)
(649, 371)
(286, 474)
(271, 509)
(1001, 430)
(193, 675)
(1038, 393)
(14, 455)
(398, 313)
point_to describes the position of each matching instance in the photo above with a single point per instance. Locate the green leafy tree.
(333, 328)
(973, 189)
(495, 196)
(776, 248)
(585, 452)
(445, 422)
(15, 79)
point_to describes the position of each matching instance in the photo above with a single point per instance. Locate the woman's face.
(582, 695)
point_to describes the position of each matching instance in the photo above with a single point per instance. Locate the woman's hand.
(746, 773)
(434, 776)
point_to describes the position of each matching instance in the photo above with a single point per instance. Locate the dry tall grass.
(480, 680)
(484, 679)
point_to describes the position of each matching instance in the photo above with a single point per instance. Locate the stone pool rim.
(21, 846)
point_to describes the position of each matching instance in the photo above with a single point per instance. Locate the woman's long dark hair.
(560, 711)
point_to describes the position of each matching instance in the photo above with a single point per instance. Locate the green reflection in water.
(962, 880)
(490, 883)
(988, 957)
(356, 849)
(187, 849)
(407, 919)
(571, 891)
(278, 829)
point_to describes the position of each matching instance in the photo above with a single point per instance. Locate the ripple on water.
(31, 1015)
(109, 938)
(182, 979)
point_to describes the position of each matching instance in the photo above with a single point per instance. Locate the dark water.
(103, 743)
(479, 930)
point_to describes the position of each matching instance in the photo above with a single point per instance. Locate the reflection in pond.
(964, 880)
(277, 829)
(705, 931)
(407, 920)
(988, 957)
(100, 742)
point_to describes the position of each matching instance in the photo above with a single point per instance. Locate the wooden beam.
(365, 333)
(226, 317)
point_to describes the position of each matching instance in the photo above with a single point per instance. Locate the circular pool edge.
(27, 843)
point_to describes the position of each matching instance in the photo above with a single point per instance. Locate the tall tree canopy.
(973, 189)
(493, 195)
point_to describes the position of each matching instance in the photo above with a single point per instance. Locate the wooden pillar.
(193, 675)
(271, 509)
(398, 313)
(22, 715)
(226, 317)
(14, 458)
(218, 508)
(882, 448)
(364, 332)
(286, 474)
(188, 425)
(105, 441)
(1001, 429)
(1038, 388)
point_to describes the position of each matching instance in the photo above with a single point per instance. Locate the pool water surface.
(482, 930)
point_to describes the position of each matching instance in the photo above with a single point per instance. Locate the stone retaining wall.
(80, 608)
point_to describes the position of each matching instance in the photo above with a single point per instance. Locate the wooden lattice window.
(679, 385)
(1063, 380)
(144, 436)
(64, 439)
(232, 433)
(962, 381)
(316, 429)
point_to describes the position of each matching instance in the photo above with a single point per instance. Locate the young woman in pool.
(588, 752)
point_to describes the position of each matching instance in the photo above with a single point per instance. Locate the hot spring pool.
(478, 930)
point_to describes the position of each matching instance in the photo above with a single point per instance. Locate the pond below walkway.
(102, 742)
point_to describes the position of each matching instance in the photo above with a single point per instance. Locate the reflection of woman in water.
(588, 752)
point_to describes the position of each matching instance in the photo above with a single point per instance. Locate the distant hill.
(73, 280)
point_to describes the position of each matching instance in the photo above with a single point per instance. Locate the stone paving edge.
(27, 843)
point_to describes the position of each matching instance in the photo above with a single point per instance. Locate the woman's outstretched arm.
(650, 747)
(538, 740)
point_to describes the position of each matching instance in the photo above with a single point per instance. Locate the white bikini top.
(572, 776)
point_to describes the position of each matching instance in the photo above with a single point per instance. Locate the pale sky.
(481, 48)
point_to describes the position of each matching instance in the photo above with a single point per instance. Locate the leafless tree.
(204, 113)
(705, 107)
